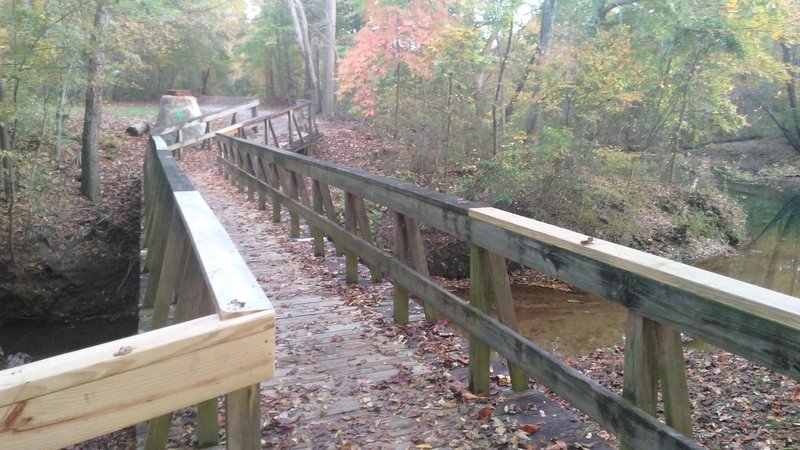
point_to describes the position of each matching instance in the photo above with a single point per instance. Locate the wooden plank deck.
(346, 376)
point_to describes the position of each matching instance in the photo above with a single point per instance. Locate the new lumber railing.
(663, 297)
(221, 342)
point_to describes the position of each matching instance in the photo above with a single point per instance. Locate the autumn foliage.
(395, 35)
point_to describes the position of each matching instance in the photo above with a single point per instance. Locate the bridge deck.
(346, 376)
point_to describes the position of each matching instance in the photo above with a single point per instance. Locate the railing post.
(501, 288)
(243, 422)
(366, 234)
(479, 299)
(654, 351)
(319, 235)
(351, 225)
(399, 252)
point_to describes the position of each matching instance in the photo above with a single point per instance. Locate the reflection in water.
(566, 323)
(772, 260)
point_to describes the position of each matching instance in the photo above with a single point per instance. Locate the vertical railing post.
(319, 235)
(653, 351)
(479, 299)
(400, 252)
(351, 225)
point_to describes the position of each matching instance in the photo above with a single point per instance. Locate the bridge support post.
(653, 352)
(489, 280)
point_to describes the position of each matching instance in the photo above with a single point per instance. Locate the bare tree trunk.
(328, 88)
(449, 123)
(397, 102)
(791, 84)
(205, 75)
(499, 89)
(61, 117)
(303, 41)
(90, 159)
(545, 45)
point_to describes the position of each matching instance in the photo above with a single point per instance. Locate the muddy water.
(772, 259)
(566, 323)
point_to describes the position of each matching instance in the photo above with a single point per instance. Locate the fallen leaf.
(123, 350)
(485, 413)
(531, 427)
(336, 338)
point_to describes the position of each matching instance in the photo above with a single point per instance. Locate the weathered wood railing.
(663, 297)
(174, 132)
(289, 133)
(222, 341)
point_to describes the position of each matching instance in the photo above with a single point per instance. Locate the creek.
(578, 323)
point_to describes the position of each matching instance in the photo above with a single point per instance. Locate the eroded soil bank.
(73, 261)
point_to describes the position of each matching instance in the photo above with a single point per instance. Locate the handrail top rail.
(755, 300)
(232, 286)
(205, 117)
(272, 115)
(444, 201)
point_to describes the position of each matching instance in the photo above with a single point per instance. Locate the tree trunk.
(205, 75)
(791, 84)
(90, 160)
(328, 88)
(303, 41)
(545, 44)
(499, 90)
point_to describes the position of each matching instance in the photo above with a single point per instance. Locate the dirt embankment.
(688, 221)
(74, 260)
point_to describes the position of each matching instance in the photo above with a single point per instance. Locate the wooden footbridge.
(217, 334)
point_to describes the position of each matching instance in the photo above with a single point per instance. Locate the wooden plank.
(243, 422)
(672, 372)
(364, 230)
(640, 385)
(319, 235)
(79, 395)
(232, 285)
(755, 323)
(501, 292)
(441, 211)
(400, 252)
(479, 293)
(418, 260)
(351, 224)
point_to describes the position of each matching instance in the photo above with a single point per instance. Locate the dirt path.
(346, 376)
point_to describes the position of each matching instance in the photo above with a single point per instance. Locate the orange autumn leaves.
(395, 35)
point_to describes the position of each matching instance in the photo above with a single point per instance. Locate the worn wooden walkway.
(346, 377)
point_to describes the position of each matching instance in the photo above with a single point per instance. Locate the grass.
(129, 110)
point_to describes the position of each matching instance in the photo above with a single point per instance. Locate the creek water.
(577, 323)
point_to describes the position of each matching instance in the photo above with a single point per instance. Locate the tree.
(90, 160)
(328, 89)
(301, 31)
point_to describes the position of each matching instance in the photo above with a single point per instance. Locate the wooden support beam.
(504, 303)
(330, 213)
(479, 298)
(351, 225)
(366, 234)
(418, 260)
(319, 235)
(400, 252)
(294, 192)
(653, 352)
(275, 182)
(243, 422)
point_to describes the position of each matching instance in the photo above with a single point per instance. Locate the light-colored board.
(57, 405)
(232, 286)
